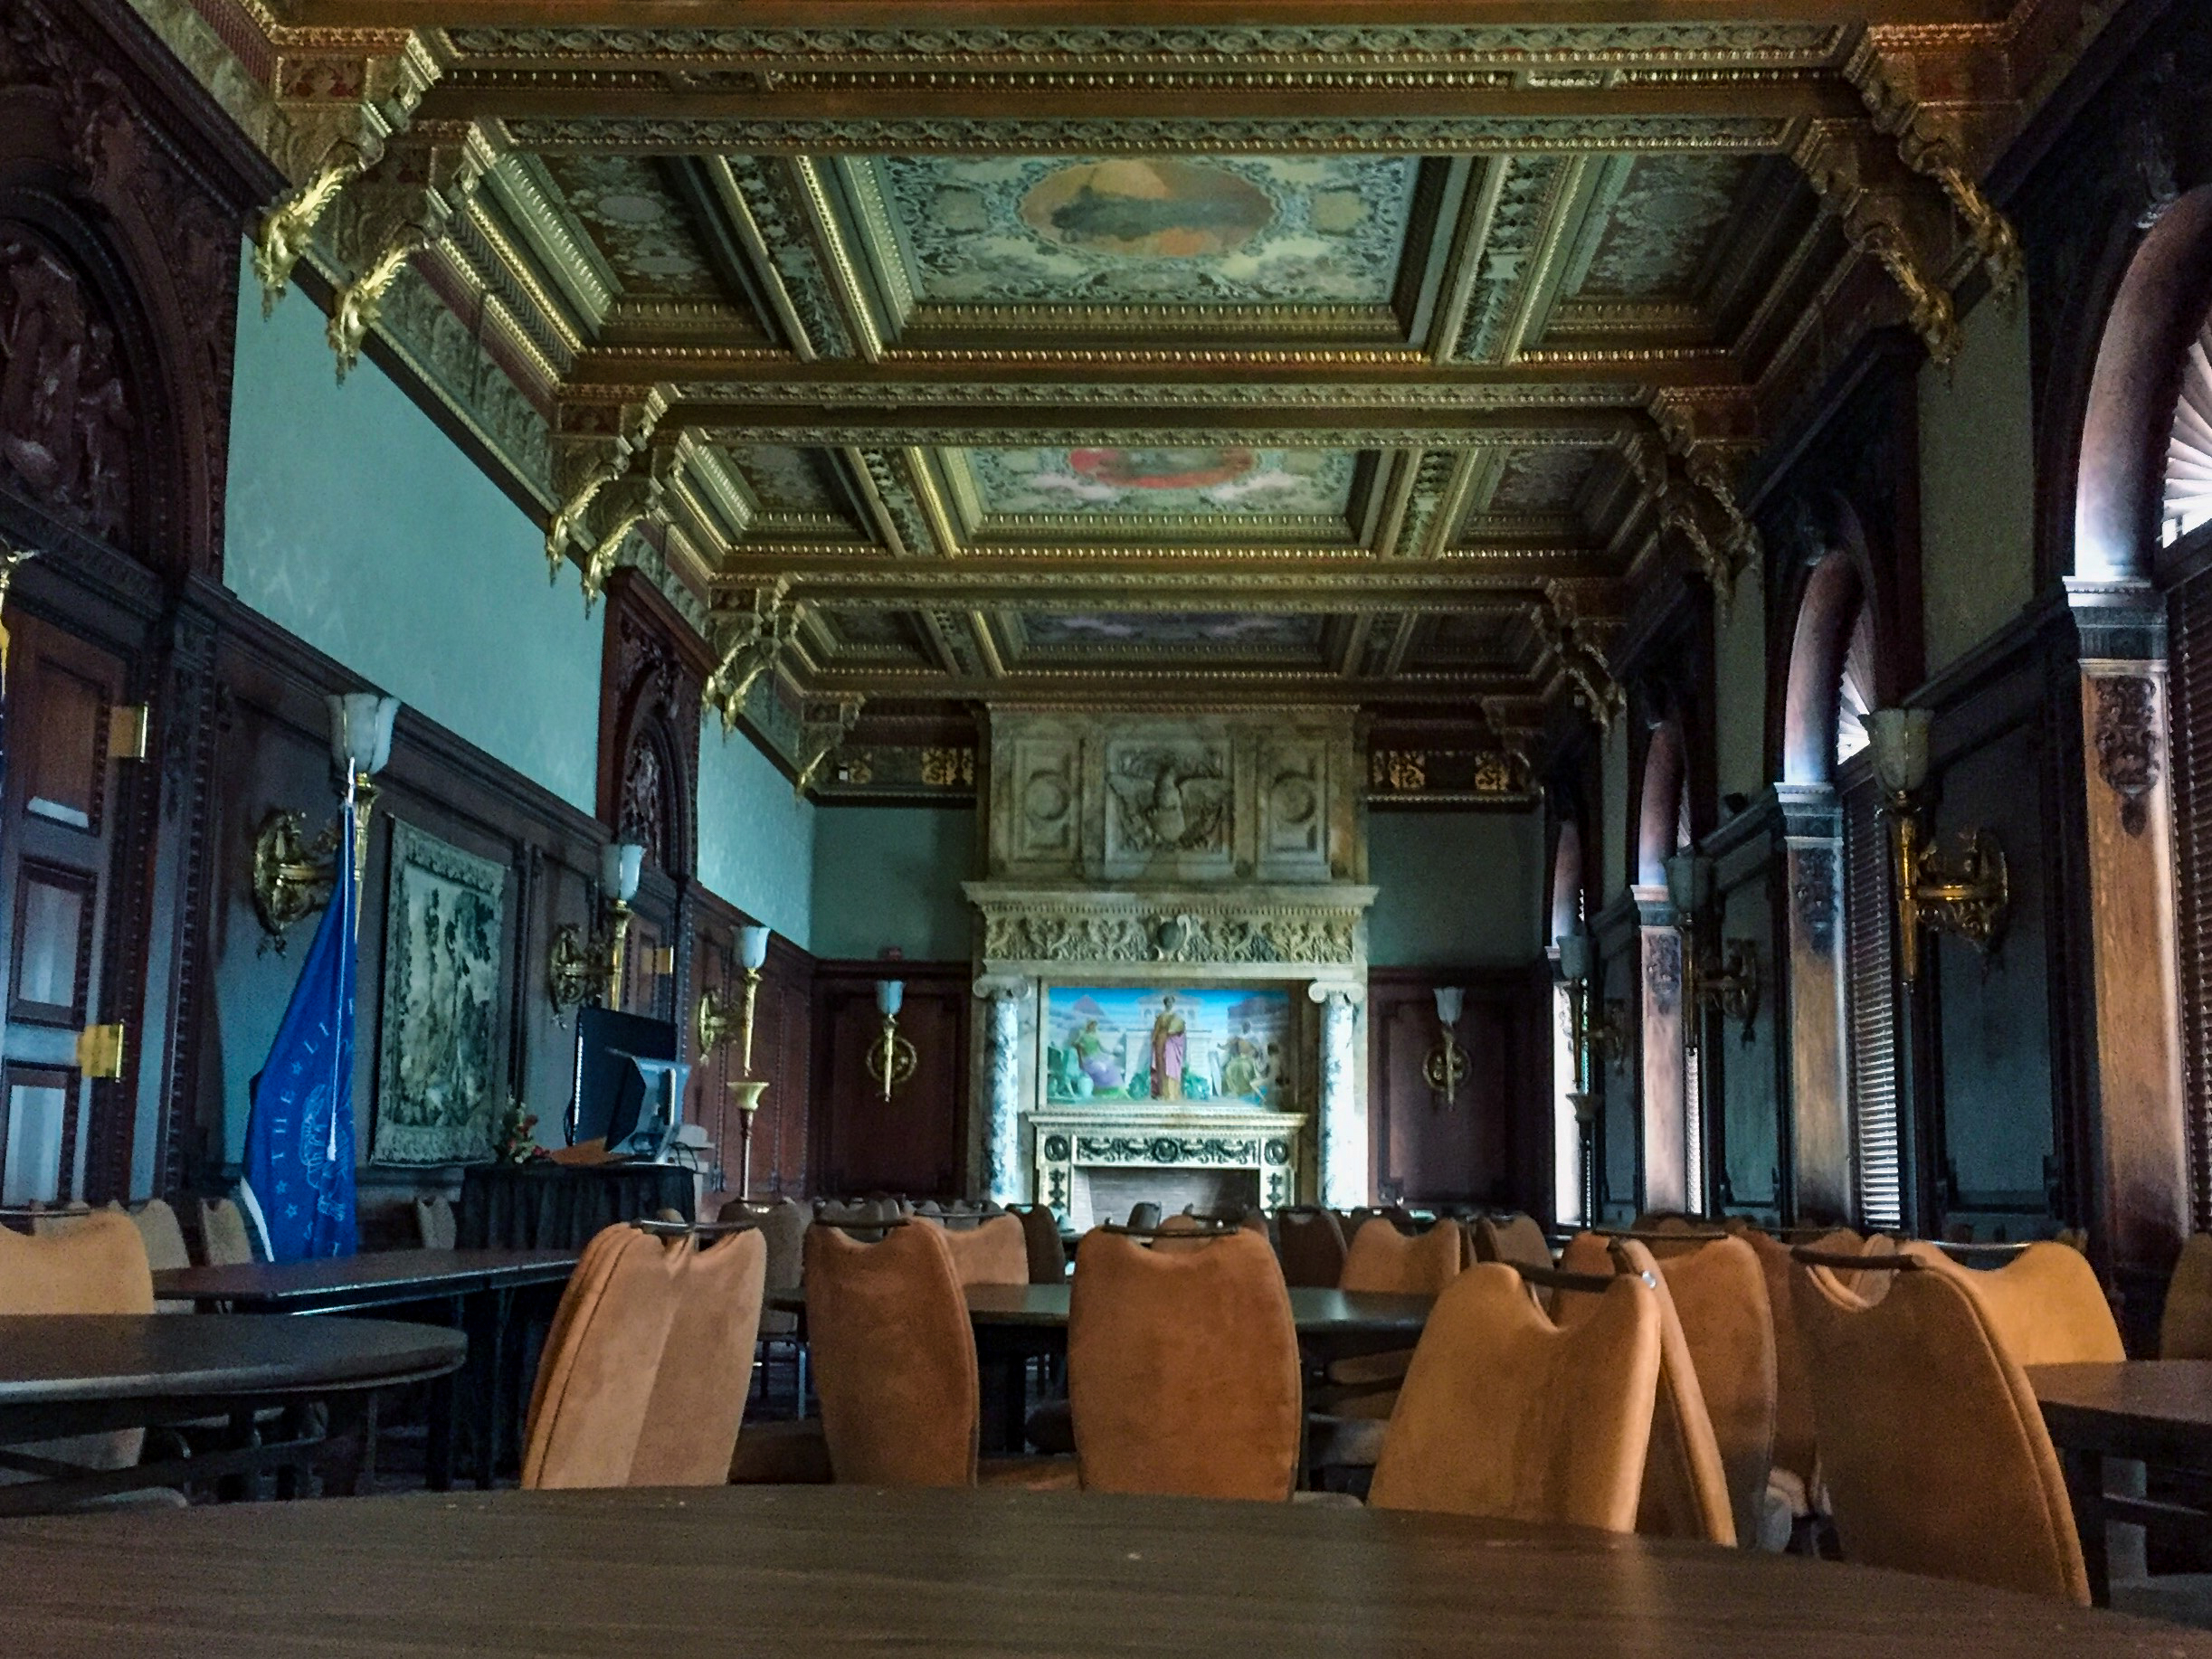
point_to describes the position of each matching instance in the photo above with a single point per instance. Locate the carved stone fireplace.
(1209, 852)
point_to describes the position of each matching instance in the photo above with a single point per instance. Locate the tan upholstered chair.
(1383, 1258)
(1933, 1449)
(996, 1252)
(1720, 1296)
(1312, 1246)
(95, 1265)
(1183, 1368)
(2185, 1330)
(1144, 1217)
(164, 1237)
(894, 1356)
(1685, 1484)
(601, 1360)
(1048, 1251)
(1504, 1414)
(1797, 1452)
(691, 1420)
(436, 1229)
(1590, 1255)
(2045, 1304)
(223, 1238)
(1516, 1239)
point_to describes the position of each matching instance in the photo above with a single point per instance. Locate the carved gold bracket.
(634, 501)
(294, 878)
(404, 209)
(1568, 637)
(1932, 142)
(596, 445)
(752, 649)
(1883, 222)
(287, 226)
(821, 735)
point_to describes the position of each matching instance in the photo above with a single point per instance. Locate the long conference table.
(845, 1569)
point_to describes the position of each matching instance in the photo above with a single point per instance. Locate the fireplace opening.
(1107, 1193)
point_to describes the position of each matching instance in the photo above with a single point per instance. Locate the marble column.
(1343, 1108)
(1003, 994)
(1820, 1149)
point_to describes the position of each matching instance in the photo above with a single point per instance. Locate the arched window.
(1571, 1202)
(2188, 509)
(2187, 501)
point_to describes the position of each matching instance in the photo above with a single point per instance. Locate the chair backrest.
(1048, 1251)
(434, 1226)
(698, 1397)
(1312, 1247)
(1685, 1484)
(1506, 1415)
(224, 1237)
(1590, 1255)
(992, 1251)
(1383, 1258)
(46, 1221)
(95, 1264)
(2045, 1304)
(1516, 1239)
(2185, 1328)
(894, 1356)
(601, 1360)
(1934, 1450)
(1720, 1298)
(163, 1236)
(1144, 1216)
(1183, 1368)
(1796, 1438)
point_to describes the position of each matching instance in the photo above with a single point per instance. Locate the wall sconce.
(890, 1058)
(293, 876)
(1447, 1064)
(1599, 1033)
(1727, 980)
(712, 1027)
(573, 964)
(1966, 892)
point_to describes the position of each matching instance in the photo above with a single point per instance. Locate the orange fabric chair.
(1685, 1484)
(894, 1356)
(1183, 1368)
(1797, 1452)
(1590, 1255)
(1516, 1239)
(1931, 1445)
(2045, 1304)
(997, 1252)
(601, 1360)
(2185, 1328)
(1383, 1258)
(1312, 1247)
(1720, 1296)
(691, 1420)
(1504, 1414)
(97, 1263)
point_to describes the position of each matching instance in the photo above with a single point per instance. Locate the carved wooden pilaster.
(1820, 1091)
(1664, 1117)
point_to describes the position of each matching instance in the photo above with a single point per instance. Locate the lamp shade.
(752, 947)
(1450, 1000)
(1573, 957)
(1898, 738)
(889, 995)
(620, 865)
(361, 731)
(1689, 882)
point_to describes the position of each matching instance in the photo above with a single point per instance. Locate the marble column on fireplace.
(1344, 1113)
(1004, 993)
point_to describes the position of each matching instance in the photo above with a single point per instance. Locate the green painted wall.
(1455, 888)
(1977, 484)
(756, 839)
(1740, 717)
(891, 876)
(356, 523)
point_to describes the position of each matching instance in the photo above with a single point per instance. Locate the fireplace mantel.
(1094, 1137)
(1161, 934)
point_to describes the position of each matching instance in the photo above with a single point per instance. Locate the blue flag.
(300, 1141)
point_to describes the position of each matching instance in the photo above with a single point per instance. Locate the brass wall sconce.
(890, 1057)
(577, 968)
(1446, 1065)
(293, 876)
(712, 1025)
(1726, 979)
(1965, 892)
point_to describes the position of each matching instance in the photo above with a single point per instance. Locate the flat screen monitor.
(605, 1043)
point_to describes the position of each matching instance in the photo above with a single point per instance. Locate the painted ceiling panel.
(1173, 630)
(1663, 225)
(1163, 482)
(784, 480)
(640, 228)
(1246, 229)
(1544, 480)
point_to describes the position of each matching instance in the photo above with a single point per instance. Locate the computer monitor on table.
(629, 1088)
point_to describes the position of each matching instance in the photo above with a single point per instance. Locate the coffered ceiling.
(935, 352)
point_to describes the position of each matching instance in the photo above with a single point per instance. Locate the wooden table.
(835, 1569)
(2153, 1411)
(472, 1291)
(69, 1374)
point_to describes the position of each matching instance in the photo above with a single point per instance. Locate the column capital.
(1326, 992)
(1003, 987)
(1655, 907)
(2119, 618)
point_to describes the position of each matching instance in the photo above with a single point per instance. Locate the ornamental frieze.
(1325, 938)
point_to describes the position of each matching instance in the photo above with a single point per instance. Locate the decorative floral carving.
(1812, 888)
(1318, 936)
(66, 420)
(1171, 798)
(1663, 970)
(2127, 744)
(1166, 1150)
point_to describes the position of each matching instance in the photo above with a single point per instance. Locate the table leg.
(445, 1397)
(349, 1461)
(2084, 1472)
(236, 1487)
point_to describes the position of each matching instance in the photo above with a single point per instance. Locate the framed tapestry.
(437, 1062)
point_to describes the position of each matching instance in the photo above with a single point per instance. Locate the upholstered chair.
(1516, 1239)
(2185, 1331)
(223, 1238)
(1311, 1248)
(1383, 1258)
(1504, 1414)
(164, 1237)
(1590, 1256)
(1719, 1292)
(1183, 1368)
(95, 1265)
(601, 1360)
(894, 1356)
(706, 1370)
(2045, 1304)
(1048, 1251)
(996, 1252)
(1182, 1232)
(1144, 1217)
(1796, 1471)
(1932, 1446)
(436, 1229)
(1685, 1483)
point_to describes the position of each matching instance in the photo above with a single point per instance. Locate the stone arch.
(1834, 600)
(1659, 803)
(1567, 879)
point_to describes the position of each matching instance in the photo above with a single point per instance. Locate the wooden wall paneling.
(1489, 1146)
(913, 1144)
(780, 1056)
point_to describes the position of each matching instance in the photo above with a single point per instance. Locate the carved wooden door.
(60, 811)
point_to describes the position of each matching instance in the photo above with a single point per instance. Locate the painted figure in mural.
(1241, 1065)
(1098, 1067)
(1168, 1040)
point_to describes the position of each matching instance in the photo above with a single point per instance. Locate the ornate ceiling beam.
(1026, 377)
(1348, 586)
(916, 423)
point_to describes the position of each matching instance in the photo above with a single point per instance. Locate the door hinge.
(100, 1052)
(127, 728)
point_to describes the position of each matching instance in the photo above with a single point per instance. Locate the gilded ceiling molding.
(824, 724)
(1882, 215)
(403, 207)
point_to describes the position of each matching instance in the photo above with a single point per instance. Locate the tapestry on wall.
(435, 1102)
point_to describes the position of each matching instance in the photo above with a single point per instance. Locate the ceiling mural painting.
(1304, 231)
(1173, 630)
(1163, 482)
(636, 225)
(1663, 227)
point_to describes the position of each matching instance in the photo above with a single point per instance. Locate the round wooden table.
(850, 1570)
(65, 1374)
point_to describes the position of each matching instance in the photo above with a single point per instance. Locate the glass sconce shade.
(1450, 1000)
(1689, 882)
(1898, 738)
(889, 995)
(752, 947)
(620, 865)
(361, 731)
(1573, 957)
